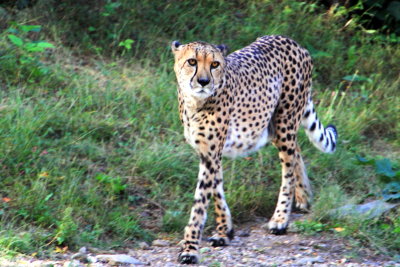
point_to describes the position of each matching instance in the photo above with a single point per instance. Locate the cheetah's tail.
(323, 138)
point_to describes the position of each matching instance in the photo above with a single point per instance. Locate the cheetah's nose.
(203, 81)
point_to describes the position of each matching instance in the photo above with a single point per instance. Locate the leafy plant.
(114, 183)
(311, 227)
(387, 174)
(22, 56)
(391, 192)
(66, 228)
(110, 8)
(383, 167)
(127, 45)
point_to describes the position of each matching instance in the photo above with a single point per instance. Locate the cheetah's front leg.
(223, 216)
(207, 174)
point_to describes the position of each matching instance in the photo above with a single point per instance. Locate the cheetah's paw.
(188, 258)
(217, 241)
(304, 207)
(277, 228)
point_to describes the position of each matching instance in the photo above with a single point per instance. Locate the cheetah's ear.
(175, 46)
(223, 48)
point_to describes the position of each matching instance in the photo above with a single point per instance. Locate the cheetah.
(232, 105)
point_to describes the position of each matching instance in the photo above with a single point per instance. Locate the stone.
(243, 233)
(144, 245)
(83, 250)
(91, 259)
(119, 259)
(73, 263)
(79, 256)
(369, 210)
(310, 260)
(160, 243)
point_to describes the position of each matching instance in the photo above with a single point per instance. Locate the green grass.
(92, 151)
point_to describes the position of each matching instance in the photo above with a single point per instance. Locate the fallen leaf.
(6, 199)
(338, 229)
(44, 174)
(61, 250)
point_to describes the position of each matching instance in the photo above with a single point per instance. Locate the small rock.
(119, 259)
(79, 256)
(73, 263)
(144, 245)
(320, 246)
(91, 259)
(243, 233)
(369, 210)
(83, 250)
(309, 260)
(160, 243)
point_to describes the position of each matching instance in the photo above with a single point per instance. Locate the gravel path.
(252, 246)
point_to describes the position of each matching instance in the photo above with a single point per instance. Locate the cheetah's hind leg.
(303, 192)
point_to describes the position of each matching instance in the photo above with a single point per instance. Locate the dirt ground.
(252, 246)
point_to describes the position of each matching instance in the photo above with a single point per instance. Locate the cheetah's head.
(199, 68)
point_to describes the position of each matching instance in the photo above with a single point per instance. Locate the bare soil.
(252, 246)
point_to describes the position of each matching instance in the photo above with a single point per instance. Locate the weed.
(115, 183)
(311, 227)
(66, 228)
(387, 175)
(21, 59)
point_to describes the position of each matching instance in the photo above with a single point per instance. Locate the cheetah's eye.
(192, 62)
(214, 64)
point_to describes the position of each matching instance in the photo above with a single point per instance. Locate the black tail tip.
(333, 128)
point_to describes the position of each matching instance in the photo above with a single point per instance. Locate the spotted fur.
(233, 105)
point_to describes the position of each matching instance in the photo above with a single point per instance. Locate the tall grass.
(92, 150)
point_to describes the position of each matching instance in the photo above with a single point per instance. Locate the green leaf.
(32, 47)
(30, 28)
(357, 78)
(127, 44)
(48, 197)
(12, 30)
(15, 40)
(384, 167)
(391, 192)
(315, 53)
(364, 161)
(45, 45)
(370, 31)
